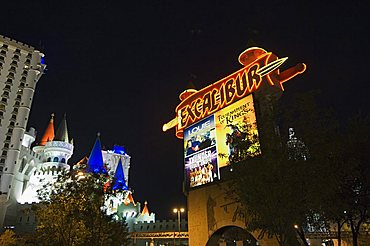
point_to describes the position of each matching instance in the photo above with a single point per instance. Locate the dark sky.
(118, 68)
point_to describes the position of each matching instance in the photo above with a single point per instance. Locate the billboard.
(229, 135)
(236, 132)
(218, 122)
(200, 153)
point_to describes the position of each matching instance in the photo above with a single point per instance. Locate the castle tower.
(95, 162)
(113, 157)
(21, 66)
(58, 151)
(54, 153)
(119, 178)
(26, 163)
(145, 215)
(49, 132)
(46, 137)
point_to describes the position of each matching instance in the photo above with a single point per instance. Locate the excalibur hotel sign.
(260, 67)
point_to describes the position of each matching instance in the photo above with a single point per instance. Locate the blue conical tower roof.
(95, 162)
(119, 178)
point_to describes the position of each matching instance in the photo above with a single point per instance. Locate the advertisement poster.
(236, 132)
(200, 153)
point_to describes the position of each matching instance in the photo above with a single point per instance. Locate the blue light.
(95, 163)
(42, 60)
(119, 149)
(119, 178)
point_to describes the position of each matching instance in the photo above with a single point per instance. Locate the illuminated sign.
(236, 132)
(218, 123)
(259, 67)
(200, 153)
(229, 135)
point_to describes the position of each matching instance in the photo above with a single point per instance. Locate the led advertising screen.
(201, 153)
(229, 135)
(236, 132)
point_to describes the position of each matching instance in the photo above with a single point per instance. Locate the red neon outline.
(218, 85)
(191, 96)
(298, 71)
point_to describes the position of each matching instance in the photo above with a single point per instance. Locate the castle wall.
(210, 209)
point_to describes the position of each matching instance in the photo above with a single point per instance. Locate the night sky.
(118, 69)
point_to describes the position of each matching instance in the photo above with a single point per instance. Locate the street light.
(178, 211)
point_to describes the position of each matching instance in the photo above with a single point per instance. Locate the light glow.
(180, 210)
(260, 67)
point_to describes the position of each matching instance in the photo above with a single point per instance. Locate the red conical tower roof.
(49, 132)
(145, 209)
(129, 199)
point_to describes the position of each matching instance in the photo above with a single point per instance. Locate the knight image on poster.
(201, 153)
(236, 132)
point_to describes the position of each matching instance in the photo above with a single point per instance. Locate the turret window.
(56, 159)
(63, 160)
(49, 159)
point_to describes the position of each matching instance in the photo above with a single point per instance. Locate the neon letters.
(259, 67)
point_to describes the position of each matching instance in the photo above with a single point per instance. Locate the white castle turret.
(54, 153)
(57, 152)
(34, 169)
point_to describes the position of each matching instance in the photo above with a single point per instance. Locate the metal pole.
(178, 220)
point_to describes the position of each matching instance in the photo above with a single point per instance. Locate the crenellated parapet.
(161, 226)
(49, 171)
(59, 145)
